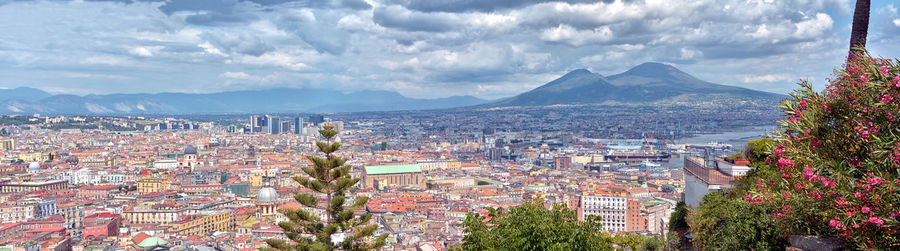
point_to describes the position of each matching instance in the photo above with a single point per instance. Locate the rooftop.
(393, 169)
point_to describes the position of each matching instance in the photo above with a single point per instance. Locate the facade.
(562, 163)
(298, 125)
(700, 180)
(618, 212)
(394, 175)
(165, 164)
(204, 224)
(101, 225)
(274, 125)
(97, 192)
(152, 185)
(14, 187)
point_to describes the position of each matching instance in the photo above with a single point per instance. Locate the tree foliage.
(531, 226)
(721, 223)
(331, 178)
(677, 221)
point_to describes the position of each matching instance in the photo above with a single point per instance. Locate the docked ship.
(637, 156)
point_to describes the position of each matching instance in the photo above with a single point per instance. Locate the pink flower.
(855, 225)
(778, 152)
(895, 214)
(876, 221)
(857, 195)
(884, 69)
(807, 173)
(785, 162)
(863, 78)
(832, 223)
(875, 180)
(865, 210)
(886, 99)
(748, 197)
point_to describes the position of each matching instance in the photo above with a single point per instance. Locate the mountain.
(643, 84)
(23, 93)
(273, 100)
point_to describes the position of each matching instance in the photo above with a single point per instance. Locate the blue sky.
(420, 48)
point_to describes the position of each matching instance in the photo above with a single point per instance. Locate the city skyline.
(420, 49)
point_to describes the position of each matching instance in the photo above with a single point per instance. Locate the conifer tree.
(331, 178)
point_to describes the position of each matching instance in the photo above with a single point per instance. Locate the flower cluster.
(837, 158)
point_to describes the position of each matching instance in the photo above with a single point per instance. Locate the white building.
(611, 209)
(165, 164)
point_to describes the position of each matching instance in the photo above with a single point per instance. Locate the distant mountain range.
(24, 100)
(643, 84)
(647, 83)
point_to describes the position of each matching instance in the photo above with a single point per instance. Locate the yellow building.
(256, 179)
(7, 144)
(204, 224)
(38, 156)
(33, 186)
(152, 185)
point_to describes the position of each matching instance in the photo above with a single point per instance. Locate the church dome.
(34, 166)
(266, 194)
(190, 150)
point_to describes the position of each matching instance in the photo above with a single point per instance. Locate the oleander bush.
(837, 158)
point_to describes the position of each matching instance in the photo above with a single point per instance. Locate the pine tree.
(330, 177)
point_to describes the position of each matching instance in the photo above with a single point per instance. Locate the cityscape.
(449, 125)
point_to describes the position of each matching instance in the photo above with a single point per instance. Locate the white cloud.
(235, 75)
(144, 51)
(569, 35)
(768, 78)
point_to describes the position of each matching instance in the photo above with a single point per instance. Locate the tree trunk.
(860, 26)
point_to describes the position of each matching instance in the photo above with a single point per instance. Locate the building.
(152, 185)
(394, 175)
(562, 163)
(274, 124)
(165, 164)
(204, 224)
(266, 202)
(99, 192)
(102, 224)
(699, 179)
(316, 119)
(7, 144)
(298, 125)
(190, 158)
(16, 187)
(619, 212)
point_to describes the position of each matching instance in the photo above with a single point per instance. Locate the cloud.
(235, 75)
(395, 16)
(569, 35)
(421, 48)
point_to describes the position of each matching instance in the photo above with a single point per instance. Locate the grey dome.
(190, 150)
(267, 194)
(34, 166)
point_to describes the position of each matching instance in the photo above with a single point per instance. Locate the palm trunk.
(860, 26)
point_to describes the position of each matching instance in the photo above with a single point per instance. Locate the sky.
(420, 48)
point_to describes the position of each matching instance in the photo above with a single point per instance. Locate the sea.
(736, 138)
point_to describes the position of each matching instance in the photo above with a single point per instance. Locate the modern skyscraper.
(316, 119)
(274, 124)
(298, 125)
